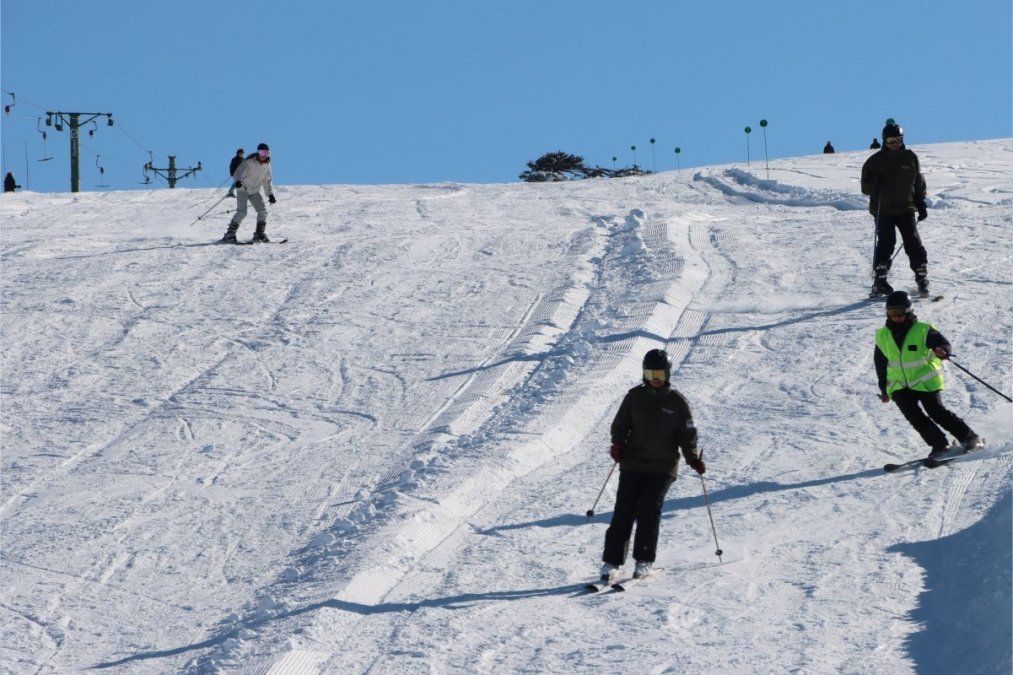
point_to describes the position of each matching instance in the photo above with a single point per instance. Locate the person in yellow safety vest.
(908, 358)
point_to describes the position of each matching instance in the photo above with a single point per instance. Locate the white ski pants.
(242, 197)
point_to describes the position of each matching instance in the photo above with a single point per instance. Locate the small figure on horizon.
(252, 175)
(828, 149)
(893, 180)
(908, 357)
(653, 423)
(233, 165)
(10, 185)
(875, 144)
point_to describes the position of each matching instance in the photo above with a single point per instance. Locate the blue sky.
(413, 92)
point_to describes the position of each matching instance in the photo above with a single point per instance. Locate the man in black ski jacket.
(893, 180)
(653, 423)
(233, 165)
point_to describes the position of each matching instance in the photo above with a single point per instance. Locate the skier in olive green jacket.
(653, 423)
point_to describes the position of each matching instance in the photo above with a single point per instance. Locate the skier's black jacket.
(652, 425)
(894, 176)
(234, 164)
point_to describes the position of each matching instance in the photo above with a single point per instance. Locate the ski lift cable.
(116, 160)
(21, 99)
(119, 125)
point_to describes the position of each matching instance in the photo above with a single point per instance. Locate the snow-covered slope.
(371, 448)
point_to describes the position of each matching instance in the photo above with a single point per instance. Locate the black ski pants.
(640, 498)
(911, 403)
(886, 239)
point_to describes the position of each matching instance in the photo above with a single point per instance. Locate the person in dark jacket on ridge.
(653, 423)
(908, 358)
(893, 180)
(233, 165)
(828, 149)
(875, 144)
(10, 185)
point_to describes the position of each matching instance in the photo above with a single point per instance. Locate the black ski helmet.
(899, 300)
(892, 130)
(657, 359)
(262, 146)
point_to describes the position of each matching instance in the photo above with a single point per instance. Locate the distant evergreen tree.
(557, 166)
(553, 166)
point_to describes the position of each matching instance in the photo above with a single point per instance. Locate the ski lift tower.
(73, 120)
(172, 170)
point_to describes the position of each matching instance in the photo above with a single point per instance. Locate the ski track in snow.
(370, 450)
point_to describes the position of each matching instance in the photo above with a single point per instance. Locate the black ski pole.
(718, 552)
(979, 379)
(590, 511)
(875, 237)
(209, 210)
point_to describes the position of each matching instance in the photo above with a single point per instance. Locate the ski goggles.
(897, 313)
(652, 374)
(895, 140)
(263, 153)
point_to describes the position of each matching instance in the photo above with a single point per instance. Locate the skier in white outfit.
(252, 175)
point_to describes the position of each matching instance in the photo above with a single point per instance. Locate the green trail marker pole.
(654, 158)
(763, 125)
(748, 131)
(677, 151)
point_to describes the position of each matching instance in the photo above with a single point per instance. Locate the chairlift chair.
(45, 155)
(101, 172)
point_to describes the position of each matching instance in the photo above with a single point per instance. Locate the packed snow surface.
(372, 448)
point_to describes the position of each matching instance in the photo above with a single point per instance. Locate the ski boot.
(937, 457)
(880, 289)
(939, 451)
(643, 569)
(260, 236)
(972, 442)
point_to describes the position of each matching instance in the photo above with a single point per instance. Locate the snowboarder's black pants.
(908, 401)
(640, 498)
(886, 239)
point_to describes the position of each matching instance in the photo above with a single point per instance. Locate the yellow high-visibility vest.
(913, 365)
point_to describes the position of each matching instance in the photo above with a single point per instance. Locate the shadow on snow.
(730, 493)
(965, 608)
(452, 602)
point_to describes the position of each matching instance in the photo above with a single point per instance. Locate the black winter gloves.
(239, 183)
(616, 451)
(271, 199)
(923, 212)
(698, 466)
